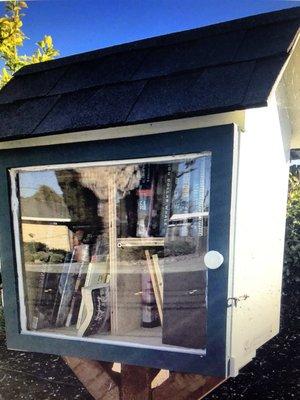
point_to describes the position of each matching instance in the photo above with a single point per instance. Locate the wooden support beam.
(211, 383)
(95, 377)
(183, 387)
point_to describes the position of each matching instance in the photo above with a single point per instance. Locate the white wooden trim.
(37, 219)
(15, 212)
(280, 76)
(260, 224)
(113, 270)
(177, 157)
(179, 217)
(234, 193)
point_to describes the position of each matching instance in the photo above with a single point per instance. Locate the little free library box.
(143, 197)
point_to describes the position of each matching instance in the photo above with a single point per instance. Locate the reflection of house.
(51, 231)
(44, 218)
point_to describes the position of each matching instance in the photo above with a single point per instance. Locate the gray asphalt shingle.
(30, 86)
(20, 119)
(262, 80)
(113, 68)
(90, 108)
(268, 40)
(190, 55)
(213, 88)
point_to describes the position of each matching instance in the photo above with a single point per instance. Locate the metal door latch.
(233, 301)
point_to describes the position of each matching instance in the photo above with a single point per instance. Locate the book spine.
(56, 303)
(166, 202)
(180, 204)
(99, 249)
(82, 309)
(197, 194)
(145, 195)
(40, 289)
(97, 273)
(76, 297)
(66, 288)
(129, 214)
(96, 301)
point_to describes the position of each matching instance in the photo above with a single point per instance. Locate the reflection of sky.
(31, 181)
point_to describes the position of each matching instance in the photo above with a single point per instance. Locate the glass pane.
(116, 252)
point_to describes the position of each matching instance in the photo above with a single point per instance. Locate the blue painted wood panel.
(217, 140)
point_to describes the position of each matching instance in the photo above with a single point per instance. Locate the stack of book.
(60, 300)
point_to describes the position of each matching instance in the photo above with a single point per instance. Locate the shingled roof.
(219, 68)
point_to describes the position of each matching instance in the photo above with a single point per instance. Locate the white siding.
(259, 230)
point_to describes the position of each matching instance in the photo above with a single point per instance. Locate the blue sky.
(83, 25)
(31, 181)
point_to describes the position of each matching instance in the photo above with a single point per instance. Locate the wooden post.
(178, 386)
(134, 383)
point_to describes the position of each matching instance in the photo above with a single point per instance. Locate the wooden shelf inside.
(141, 242)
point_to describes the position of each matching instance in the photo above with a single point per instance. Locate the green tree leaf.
(12, 38)
(292, 238)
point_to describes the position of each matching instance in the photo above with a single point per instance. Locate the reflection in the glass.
(116, 252)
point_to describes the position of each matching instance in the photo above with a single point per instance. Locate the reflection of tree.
(126, 178)
(292, 238)
(45, 203)
(81, 201)
(45, 193)
(40, 253)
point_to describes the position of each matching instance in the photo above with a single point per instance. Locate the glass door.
(115, 252)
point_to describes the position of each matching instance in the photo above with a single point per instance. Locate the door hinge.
(233, 301)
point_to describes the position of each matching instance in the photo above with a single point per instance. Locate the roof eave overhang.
(236, 117)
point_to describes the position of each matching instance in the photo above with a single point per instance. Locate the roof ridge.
(244, 23)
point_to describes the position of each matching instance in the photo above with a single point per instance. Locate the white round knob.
(213, 259)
